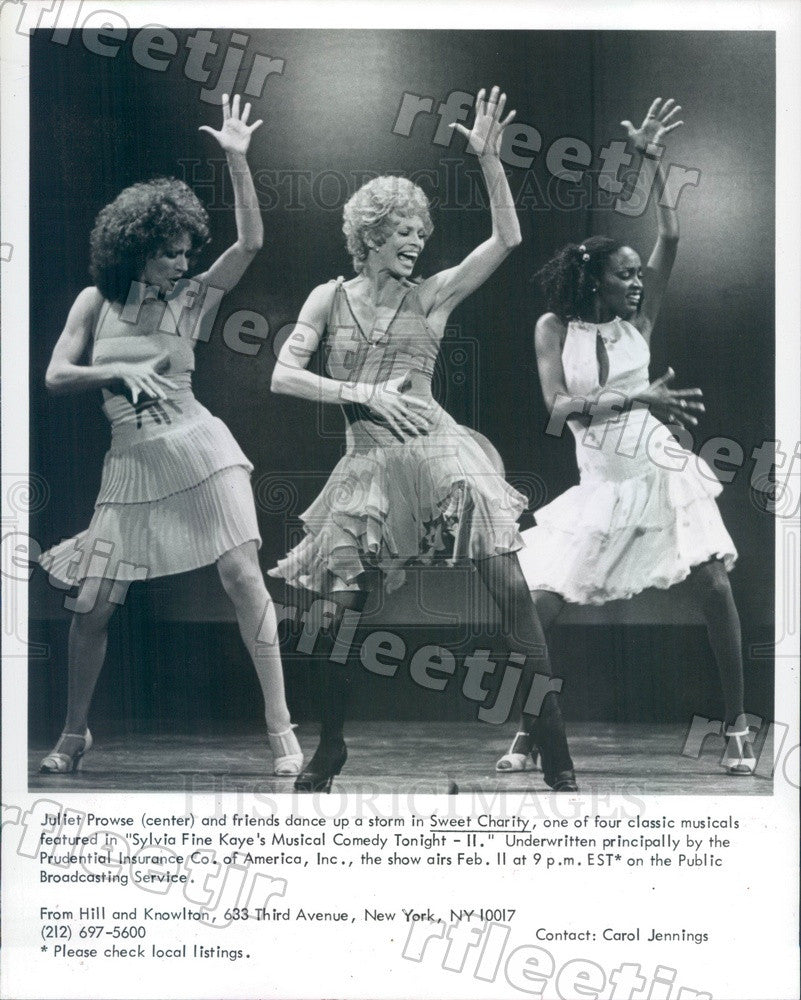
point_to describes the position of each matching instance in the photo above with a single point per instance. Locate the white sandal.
(519, 760)
(742, 761)
(57, 762)
(286, 751)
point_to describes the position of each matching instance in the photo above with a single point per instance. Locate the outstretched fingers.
(492, 103)
(653, 109)
(663, 379)
(687, 406)
(667, 115)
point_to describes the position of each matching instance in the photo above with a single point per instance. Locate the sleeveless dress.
(391, 503)
(175, 492)
(644, 512)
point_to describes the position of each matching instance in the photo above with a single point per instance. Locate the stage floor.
(411, 758)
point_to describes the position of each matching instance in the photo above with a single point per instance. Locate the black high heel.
(548, 733)
(563, 781)
(321, 770)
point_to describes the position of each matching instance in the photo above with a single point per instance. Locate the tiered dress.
(175, 492)
(644, 512)
(391, 503)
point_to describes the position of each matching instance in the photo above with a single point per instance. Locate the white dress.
(644, 512)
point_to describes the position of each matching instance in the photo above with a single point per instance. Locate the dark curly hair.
(140, 223)
(568, 278)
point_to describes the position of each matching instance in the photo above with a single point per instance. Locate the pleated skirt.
(174, 496)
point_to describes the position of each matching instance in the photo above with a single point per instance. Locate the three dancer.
(644, 513)
(175, 493)
(413, 485)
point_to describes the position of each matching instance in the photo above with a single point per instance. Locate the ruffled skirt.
(436, 498)
(607, 540)
(173, 497)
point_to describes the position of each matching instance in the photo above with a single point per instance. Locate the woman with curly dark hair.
(175, 493)
(413, 485)
(644, 514)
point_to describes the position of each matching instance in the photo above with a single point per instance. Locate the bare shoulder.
(89, 300)
(549, 333)
(321, 296)
(315, 311)
(85, 312)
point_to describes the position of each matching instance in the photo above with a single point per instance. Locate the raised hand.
(144, 378)
(655, 124)
(484, 138)
(679, 405)
(234, 136)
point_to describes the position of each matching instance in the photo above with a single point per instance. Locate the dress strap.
(337, 291)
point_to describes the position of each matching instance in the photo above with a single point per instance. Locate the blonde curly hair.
(372, 213)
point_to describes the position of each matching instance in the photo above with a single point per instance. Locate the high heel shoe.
(563, 781)
(58, 762)
(548, 732)
(521, 756)
(738, 757)
(321, 770)
(286, 751)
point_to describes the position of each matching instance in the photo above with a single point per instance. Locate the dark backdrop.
(100, 123)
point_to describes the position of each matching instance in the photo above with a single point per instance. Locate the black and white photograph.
(401, 462)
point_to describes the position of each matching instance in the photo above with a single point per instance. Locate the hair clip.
(583, 251)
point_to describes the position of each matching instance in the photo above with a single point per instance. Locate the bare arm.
(602, 403)
(445, 290)
(234, 138)
(648, 140)
(290, 375)
(66, 374)
(405, 414)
